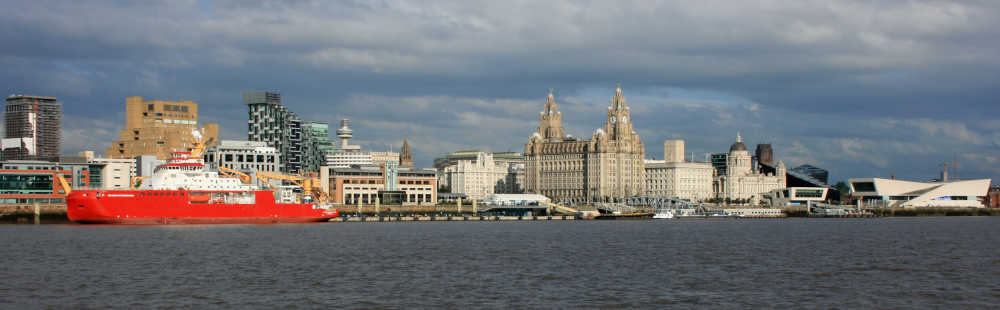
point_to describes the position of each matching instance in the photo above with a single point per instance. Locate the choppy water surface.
(792, 263)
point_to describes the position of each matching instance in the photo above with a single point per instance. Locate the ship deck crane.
(64, 184)
(245, 178)
(309, 186)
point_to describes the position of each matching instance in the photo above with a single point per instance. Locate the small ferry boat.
(663, 214)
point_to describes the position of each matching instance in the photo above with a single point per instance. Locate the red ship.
(182, 191)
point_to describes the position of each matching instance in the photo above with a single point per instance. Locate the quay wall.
(28, 214)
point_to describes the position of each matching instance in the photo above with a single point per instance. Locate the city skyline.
(826, 85)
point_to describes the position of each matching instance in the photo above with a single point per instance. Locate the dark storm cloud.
(861, 88)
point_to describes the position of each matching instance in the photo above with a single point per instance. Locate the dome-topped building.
(738, 145)
(741, 180)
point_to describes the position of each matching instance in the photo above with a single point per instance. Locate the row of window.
(168, 107)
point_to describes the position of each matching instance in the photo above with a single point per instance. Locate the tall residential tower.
(271, 122)
(33, 128)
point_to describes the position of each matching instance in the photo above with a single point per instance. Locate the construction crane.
(310, 186)
(64, 184)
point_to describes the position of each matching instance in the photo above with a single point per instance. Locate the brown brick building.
(158, 127)
(993, 197)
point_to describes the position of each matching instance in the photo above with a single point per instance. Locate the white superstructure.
(182, 172)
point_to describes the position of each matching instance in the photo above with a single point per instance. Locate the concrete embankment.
(33, 214)
(936, 212)
(802, 212)
(385, 218)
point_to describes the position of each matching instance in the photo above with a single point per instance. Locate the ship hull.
(166, 207)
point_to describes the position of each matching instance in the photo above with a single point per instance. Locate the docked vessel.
(663, 214)
(183, 191)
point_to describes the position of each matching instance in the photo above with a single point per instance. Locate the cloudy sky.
(866, 88)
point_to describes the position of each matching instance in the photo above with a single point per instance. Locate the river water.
(940, 262)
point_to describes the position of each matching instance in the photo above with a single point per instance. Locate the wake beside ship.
(183, 191)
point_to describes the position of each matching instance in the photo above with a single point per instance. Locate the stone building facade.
(484, 174)
(607, 167)
(691, 181)
(406, 155)
(742, 179)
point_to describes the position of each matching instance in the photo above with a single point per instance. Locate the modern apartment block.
(316, 144)
(159, 127)
(271, 122)
(32, 128)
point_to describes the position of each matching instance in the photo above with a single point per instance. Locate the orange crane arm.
(235, 174)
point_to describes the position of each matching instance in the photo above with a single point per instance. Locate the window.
(184, 109)
(150, 107)
(864, 186)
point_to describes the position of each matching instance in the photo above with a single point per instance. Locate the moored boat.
(663, 214)
(183, 191)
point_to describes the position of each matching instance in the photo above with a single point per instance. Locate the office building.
(690, 181)
(478, 175)
(608, 167)
(32, 127)
(673, 151)
(270, 122)
(362, 184)
(25, 182)
(145, 165)
(245, 156)
(719, 162)
(993, 197)
(764, 154)
(159, 127)
(796, 196)
(381, 158)
(115, 173)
